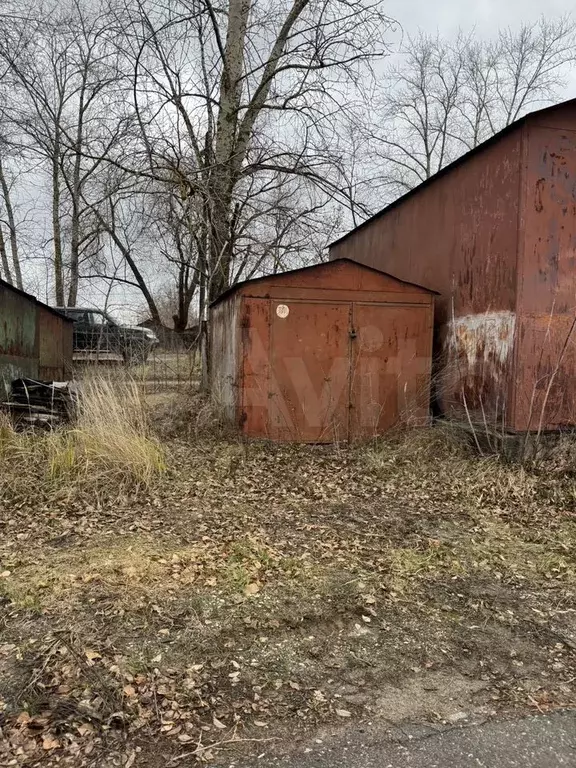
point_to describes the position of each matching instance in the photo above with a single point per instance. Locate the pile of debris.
(42, 403)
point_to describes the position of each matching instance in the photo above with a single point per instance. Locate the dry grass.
(444, 455)
(109, 450)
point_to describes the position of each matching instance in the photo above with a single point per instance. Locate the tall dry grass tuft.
(109, 450)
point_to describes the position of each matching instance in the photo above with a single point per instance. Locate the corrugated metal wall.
(495, 234)
(55, 346)
(18, 338)
(545, 395)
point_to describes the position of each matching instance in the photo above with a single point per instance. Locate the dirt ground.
(257, 594)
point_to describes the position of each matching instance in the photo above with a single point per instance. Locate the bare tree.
(447, 97)
(228, 93)
(9, 221)
(118, 203)
(5, 272)
(60, 68)
(189, 145)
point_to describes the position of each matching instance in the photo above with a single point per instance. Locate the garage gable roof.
(279, 277)
(459, 161)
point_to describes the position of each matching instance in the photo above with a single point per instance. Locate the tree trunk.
(222, 179)
(5, 272)
(11, 227)
(74, 247)
(56, 228)
(221, 247)
(76, 193)
(233, 134)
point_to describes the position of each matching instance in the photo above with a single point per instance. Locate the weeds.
(444, 457)
(109, 450)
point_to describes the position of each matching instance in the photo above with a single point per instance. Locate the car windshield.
(101, 318)
(90, 317)
(78, 315)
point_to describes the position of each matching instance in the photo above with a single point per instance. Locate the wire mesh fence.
(173, 364)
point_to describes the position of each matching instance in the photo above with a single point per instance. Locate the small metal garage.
(35, 340)
(337, 351)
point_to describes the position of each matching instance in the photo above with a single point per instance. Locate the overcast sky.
(487, 16)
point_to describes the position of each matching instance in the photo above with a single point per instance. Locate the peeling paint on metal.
(486, 337)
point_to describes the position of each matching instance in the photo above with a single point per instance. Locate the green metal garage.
(35, 340)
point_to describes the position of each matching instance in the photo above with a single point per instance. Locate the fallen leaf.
(252, 589)
(343, 713)
(369, 599)
(129, 690)
(218, 723)
(50, 743)
(92, 655)
(260, 724)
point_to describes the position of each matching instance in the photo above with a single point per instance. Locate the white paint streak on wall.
(487, 337)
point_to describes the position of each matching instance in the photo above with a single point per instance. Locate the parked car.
(95, 332)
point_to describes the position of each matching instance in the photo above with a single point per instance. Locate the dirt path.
(544, 741)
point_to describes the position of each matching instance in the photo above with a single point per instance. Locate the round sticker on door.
(282, 311)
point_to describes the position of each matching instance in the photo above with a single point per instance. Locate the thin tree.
(248, 90)
(447, 97)
(60, 68)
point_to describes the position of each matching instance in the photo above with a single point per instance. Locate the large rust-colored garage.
(338, 351)
(495, 234)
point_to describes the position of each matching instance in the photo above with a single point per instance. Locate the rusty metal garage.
(337, 351)
(35, 340)
(495, 234)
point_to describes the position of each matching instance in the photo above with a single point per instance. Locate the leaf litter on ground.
(257, 588)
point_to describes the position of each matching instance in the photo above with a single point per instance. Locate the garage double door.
(346, 371)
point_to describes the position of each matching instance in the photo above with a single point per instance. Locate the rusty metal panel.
(459, 236)
(54, 346)
(391, 368)
(224, 356)
(254, 397)
(560, 116)
(309, 371)
(332, 278)
(303, 293)
(17, 324)
(18, 338)
(292, 355)
(545, 394)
